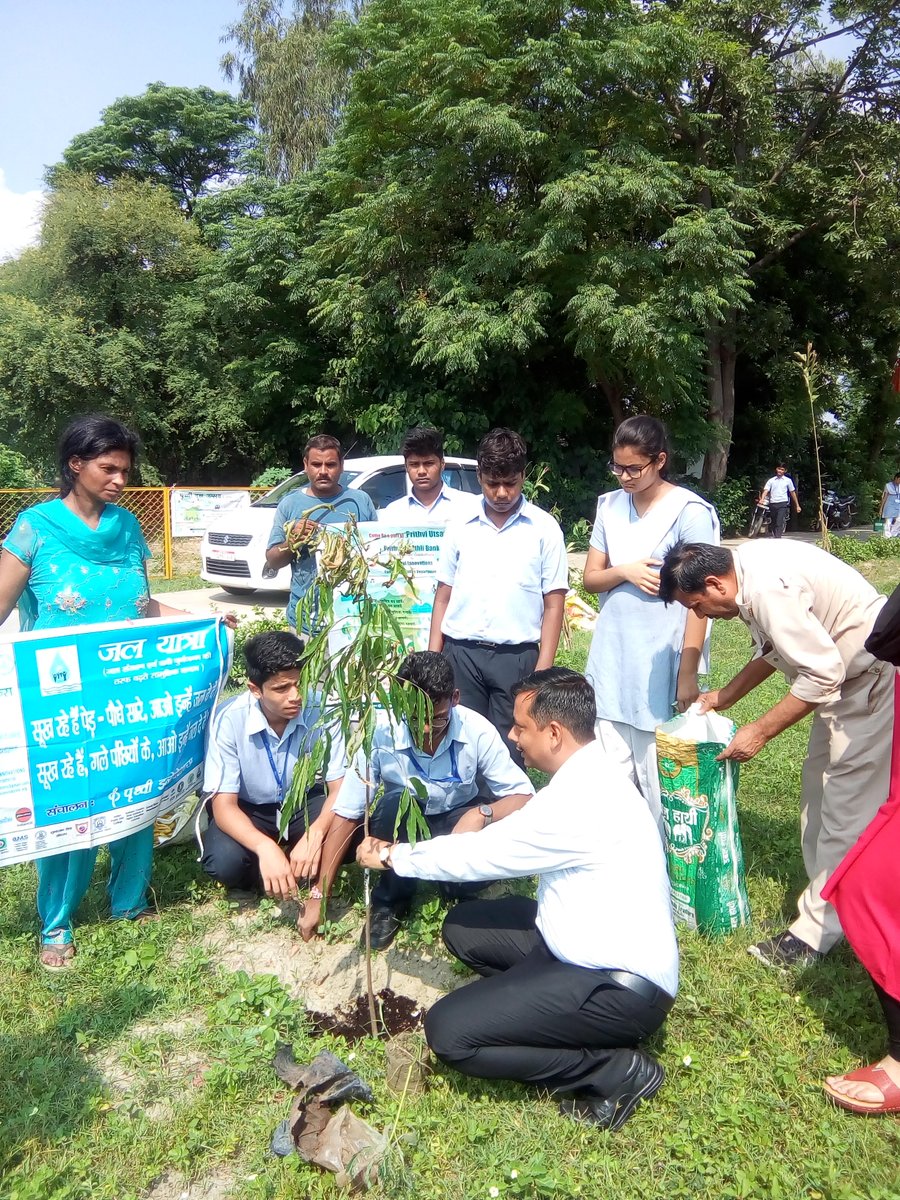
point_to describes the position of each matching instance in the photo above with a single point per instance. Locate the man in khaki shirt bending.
(809, 615)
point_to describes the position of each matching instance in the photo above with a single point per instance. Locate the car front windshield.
(271, 499)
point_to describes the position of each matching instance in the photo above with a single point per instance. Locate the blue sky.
(66, 60)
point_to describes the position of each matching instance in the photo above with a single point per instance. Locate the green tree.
(283, 68)
(115, 324)
(527, 204)
(47, 372)
(182, 138)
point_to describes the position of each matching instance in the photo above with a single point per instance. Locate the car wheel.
(233, 591)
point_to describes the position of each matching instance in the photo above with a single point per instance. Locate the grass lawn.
(178, 583)
(143, 1072)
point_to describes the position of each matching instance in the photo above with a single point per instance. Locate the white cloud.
(20, 219)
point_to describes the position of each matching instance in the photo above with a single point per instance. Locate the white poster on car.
(193, 510)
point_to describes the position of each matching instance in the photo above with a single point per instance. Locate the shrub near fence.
(152, 507)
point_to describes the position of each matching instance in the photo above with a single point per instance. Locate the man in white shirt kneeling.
(576, 980)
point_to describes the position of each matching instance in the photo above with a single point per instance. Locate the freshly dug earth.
(327, 976)
(397, 1014)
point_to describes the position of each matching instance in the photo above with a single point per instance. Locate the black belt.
(642, 987)
(471, 644)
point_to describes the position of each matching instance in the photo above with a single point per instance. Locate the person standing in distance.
(324, 501)
(502, 582)
(890, 507)
(429, 500)
(780, 493)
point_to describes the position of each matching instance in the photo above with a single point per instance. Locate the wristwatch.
(384, 855)
(487, 812)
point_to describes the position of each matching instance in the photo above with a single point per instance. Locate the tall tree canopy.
(496, 211)
(101, 315)
(282, 65)
(182, 138)
(516, 183)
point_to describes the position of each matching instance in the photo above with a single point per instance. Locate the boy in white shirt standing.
(780, 492)
(502, 582)
(429, 501)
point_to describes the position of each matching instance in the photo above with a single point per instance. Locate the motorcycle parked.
(838, 511)
(760, 520)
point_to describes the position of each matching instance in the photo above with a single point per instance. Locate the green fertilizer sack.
(703, 842)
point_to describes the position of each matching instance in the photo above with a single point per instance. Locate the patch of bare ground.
(326, 976)
(173, 1186)
(153, 1063)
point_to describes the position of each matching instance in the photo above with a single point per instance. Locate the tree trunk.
(721, 356)
(613, 394)
(882, 412)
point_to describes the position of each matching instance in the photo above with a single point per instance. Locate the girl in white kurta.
(644, 656)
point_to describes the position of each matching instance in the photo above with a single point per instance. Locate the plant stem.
(370, 988)
(808, 368)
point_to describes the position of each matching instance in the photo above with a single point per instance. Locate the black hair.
(502, 452)
(647, 435)
(688, 564)
(270, 653)
(430, 672)
(562, 695)
(323, 441)
(89, 437)
(423, 441)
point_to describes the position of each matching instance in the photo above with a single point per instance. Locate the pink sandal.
(878, 1077)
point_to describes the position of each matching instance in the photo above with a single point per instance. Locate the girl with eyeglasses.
(645, 656)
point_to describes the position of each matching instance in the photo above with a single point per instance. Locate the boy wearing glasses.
(503, 577)
(454, 760)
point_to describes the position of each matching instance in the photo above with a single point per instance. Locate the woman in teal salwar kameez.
(81, 560)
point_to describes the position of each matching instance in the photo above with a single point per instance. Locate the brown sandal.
(55, 956)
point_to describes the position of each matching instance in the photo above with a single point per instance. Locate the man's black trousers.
(232, 864)
(533, 1018)
(778, 517)
(486, 675)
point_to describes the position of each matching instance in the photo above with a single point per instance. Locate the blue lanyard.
(454, 778)
(280, 780)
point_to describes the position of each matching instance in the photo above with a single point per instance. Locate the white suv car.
(233, 549)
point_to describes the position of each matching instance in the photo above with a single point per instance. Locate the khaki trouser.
(845, 780)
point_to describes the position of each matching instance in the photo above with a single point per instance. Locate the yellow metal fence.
(153, 508)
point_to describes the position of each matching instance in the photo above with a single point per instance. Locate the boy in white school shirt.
(502, 582)
(459, 764)
(255, 741)
(429, 500)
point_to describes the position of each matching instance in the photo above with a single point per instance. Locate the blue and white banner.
(102, 727)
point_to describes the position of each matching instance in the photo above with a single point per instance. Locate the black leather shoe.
(643, 1079)
(385, 923)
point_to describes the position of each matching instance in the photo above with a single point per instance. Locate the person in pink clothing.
(865, 891)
